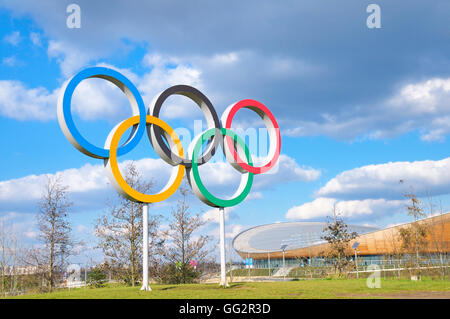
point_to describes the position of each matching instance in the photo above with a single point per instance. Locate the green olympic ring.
(197, 185)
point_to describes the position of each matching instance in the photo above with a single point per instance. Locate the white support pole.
(248, 264)
(145, 285)
(223, 273)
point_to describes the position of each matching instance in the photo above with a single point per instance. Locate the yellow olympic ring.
(112, 166)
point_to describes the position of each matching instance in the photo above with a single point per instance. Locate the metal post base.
(145, 285)
(223, 271)
(146, 288)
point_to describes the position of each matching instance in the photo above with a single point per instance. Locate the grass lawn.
(338, 288)
(252, 272)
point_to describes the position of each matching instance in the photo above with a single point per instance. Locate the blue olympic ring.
(68, 125)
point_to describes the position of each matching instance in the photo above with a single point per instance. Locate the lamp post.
(248, 264)
(85, 275)
(268, 257)
(355, 247)
(283, 248)
(231, 261)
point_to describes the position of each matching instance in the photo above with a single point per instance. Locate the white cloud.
(225, 59)
(124, 229)
(84, 179)
(317, 208)
(13, 38)
(378, 207)
(286, 170)
(165, 72)
(96, 98)
(430, 96)
(11, 61)
(216, 175)
(376, 190)
(99, 99)
(31, 234)
(419, 106)
(35, 38)
(235, 229)
(8, 216)
(323, 207)
(21, 103)
(426, 105)
(393, 225)
(382, 180)
(19, 224)
(82, 228)
(89, 186)
(230, 231)
(234, 59)
(234, 75)
(69, 56)
(255, 195)
(212, 215)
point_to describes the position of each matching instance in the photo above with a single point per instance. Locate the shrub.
(96, 278)
(173, 274)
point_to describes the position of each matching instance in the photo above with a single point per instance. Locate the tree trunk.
(183, 252)
(133, 248)
(3, 268)
(52, 253)
(50, 267)
(417, 253)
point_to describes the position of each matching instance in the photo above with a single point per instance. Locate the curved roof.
(271, 237)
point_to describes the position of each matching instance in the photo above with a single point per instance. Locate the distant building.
(20, 270)
(301, 242)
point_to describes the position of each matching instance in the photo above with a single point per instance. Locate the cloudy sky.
(360, 109)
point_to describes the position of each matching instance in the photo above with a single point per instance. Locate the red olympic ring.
(272, 127)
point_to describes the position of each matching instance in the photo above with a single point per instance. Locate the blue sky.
(359, 108)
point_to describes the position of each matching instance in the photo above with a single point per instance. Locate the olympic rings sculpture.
(158, 131)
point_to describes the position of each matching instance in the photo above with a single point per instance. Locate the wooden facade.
(382, 242)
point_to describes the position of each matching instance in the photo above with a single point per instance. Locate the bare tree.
(438, 239)
(120, 229)
(11, 260)
(414, 236)
(33, 257)
(396, 251)
(3, 256)
(183, 247)
(338, 237)
(7, 256)
(54, 227)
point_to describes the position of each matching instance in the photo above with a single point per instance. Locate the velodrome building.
(301, 243)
